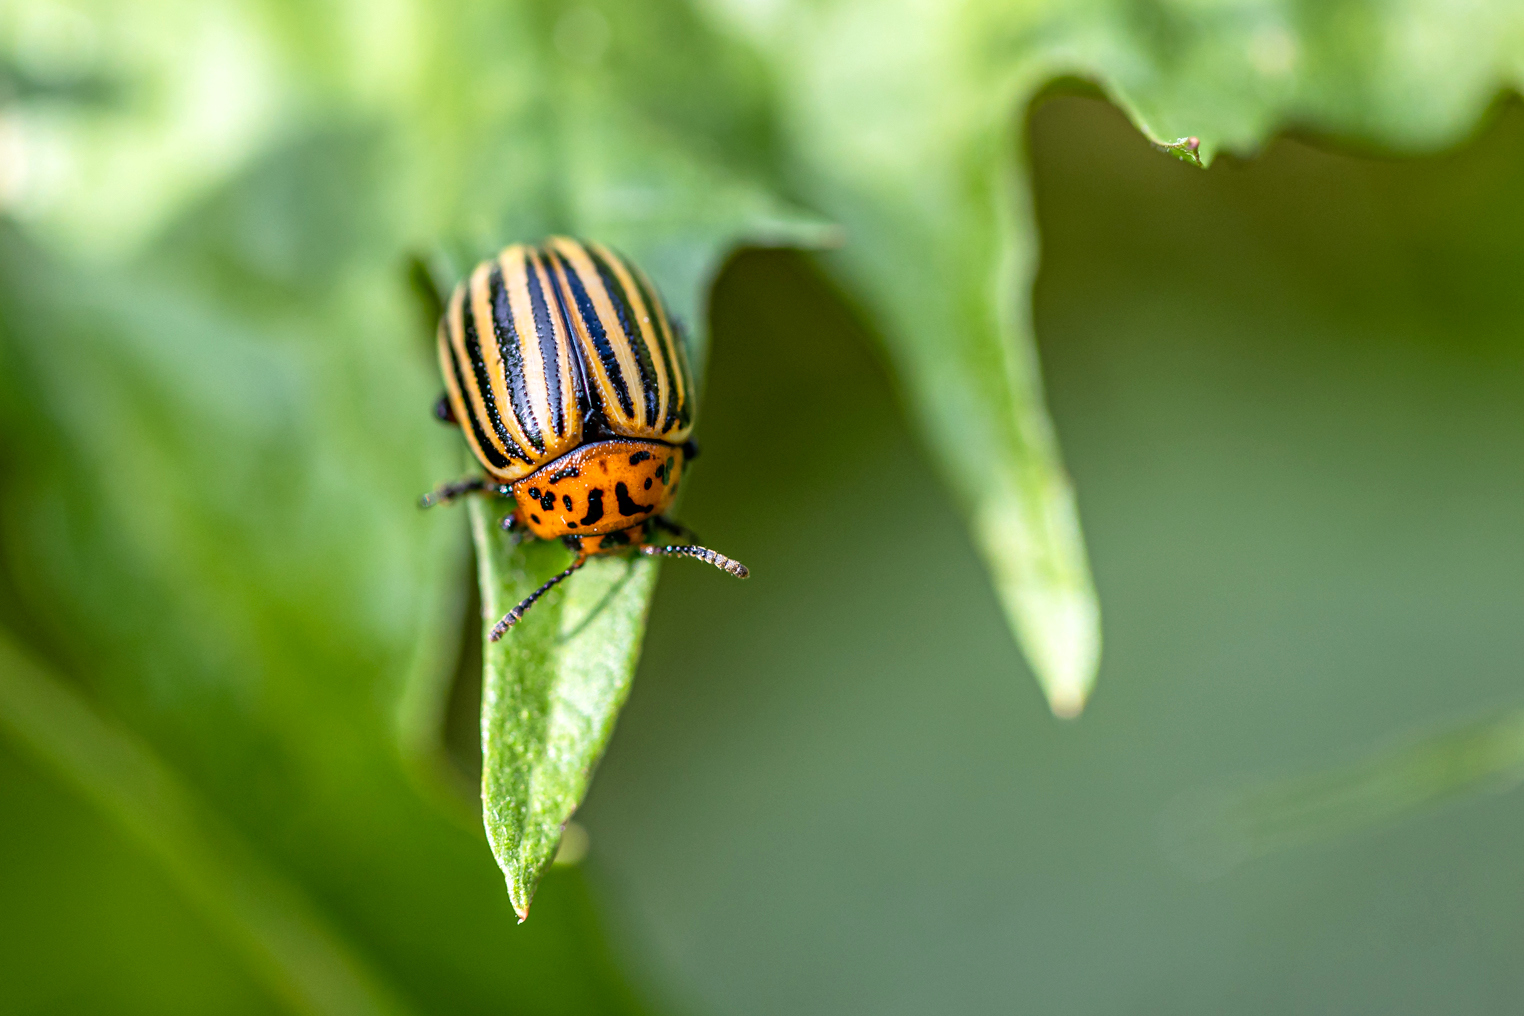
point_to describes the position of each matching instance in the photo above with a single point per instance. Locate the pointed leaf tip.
(1034, 549)
(520, 896)
(1067, 703)
(1060, 631)
(1184, 149)
(522, 873)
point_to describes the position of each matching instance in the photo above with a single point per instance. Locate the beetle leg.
(666, 525)
(450, 491)
(517, 613)
(514, 527)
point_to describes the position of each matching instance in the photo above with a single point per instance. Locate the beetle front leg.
(450, 491)
(666, 525)
(514, 527)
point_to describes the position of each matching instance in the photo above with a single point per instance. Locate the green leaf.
(906, 137)
(551, 690)
(903, 124)
(285, 938)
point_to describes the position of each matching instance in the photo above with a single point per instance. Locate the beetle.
(572, 388)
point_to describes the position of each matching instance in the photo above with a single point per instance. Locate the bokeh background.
(1289, 393)
(1288, 390)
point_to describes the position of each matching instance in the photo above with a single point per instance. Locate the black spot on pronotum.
(648, 483)
(564, 474)
(637, 458)
(572, 525)
(626, 505)
(548, 501)
(536, 518)
(594, 506)
(566, 500)
(534, 492)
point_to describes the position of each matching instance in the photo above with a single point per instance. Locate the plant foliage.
(216, 377)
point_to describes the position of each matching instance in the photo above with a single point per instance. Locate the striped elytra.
(547, 347)
(572, 387)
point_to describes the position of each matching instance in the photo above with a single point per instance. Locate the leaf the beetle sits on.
(551, 690)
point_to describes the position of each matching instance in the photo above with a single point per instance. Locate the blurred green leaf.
(903, 125)
(286, 941)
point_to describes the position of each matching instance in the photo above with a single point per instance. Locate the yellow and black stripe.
(635, 365)
(547, 347)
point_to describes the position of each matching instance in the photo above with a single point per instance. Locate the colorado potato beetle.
(572, 388)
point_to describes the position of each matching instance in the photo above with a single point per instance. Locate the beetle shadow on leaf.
(461, 735)
(603, 603)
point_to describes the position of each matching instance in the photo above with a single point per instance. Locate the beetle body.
(572, 388)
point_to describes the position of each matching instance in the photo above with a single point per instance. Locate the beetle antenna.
(517, 613)
(704, 554)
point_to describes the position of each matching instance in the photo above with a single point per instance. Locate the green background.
(1288, 391)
